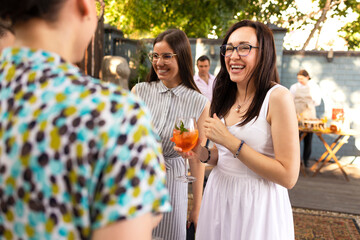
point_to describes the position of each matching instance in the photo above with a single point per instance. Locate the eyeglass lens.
(166, 57)
(242, 49)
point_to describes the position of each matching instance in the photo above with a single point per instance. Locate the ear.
(84, 7)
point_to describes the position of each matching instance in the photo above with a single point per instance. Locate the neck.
(204, 77)
(243, 94)
(39, 34)
(171, 84)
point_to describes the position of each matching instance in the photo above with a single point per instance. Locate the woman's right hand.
(192, 154)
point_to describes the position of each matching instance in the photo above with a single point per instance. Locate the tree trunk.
(318, 22)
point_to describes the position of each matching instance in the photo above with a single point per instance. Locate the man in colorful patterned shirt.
(78, 159)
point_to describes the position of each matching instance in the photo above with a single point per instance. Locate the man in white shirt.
(204, 80)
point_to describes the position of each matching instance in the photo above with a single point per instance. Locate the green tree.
(199, 18)
(351, 31)
(147, 18)
(285, 14)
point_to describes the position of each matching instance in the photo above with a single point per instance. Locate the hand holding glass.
(185, 136)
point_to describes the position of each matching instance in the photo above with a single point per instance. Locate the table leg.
(332, 151)
(326, 153)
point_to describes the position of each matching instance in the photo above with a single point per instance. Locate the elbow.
(290, 185)
(291, 174)
(291, 181)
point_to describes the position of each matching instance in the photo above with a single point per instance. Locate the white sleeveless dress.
(238, 204)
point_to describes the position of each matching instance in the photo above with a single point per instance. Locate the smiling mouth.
(162, 71)
(237, 67)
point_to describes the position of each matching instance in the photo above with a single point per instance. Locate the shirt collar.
(178, 90)
(25, 55)
(197, 78)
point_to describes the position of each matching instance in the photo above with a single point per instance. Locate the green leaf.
(182, 128)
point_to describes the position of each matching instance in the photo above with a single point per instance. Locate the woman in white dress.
(256, 154)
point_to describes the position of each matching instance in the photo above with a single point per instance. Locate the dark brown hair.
(179, 43)
(202, 59)
(17, 11)
(304, 73)
(3, 31)
(264, 75)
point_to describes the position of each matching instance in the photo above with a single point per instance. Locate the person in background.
(204, 80)
(307, 95)
(115, 69)
(7, 38)
(170, 92)
(78, 159)
(256, 153)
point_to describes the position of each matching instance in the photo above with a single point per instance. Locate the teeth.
(162, 71)
(237, 66)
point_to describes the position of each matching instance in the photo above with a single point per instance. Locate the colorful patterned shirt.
(75, 155)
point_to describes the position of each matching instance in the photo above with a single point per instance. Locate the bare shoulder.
(280, 95)
(281, 104)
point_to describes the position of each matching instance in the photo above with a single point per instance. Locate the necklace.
(238, 107)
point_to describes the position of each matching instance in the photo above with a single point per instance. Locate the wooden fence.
(91, 64)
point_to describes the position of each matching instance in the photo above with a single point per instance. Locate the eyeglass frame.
(237, 49)
(151, 57)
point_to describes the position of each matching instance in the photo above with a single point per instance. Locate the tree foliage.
(201, 18)
(147, 18)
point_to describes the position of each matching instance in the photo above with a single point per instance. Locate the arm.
(284, 168)
(136, 175)
(129, 229)
(198, 169)
(203, 155)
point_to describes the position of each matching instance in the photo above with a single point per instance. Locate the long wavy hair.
(263, 77)
(179, 43)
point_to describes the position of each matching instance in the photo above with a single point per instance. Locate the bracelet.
(238, 151)
(209, 155)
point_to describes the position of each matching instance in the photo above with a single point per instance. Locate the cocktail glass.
(185, 136)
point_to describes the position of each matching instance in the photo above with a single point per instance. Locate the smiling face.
(240, 68)
(168, 73)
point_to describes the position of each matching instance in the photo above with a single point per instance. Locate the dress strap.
(265, 106)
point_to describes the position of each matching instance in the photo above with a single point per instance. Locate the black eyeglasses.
(154, 57)
(242, 49)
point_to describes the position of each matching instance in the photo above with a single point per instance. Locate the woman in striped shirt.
(170, 92)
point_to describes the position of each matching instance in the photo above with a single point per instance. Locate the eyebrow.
(163, 53)
(242, 42)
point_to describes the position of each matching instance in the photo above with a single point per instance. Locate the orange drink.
(185, 136)
(185, 140)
